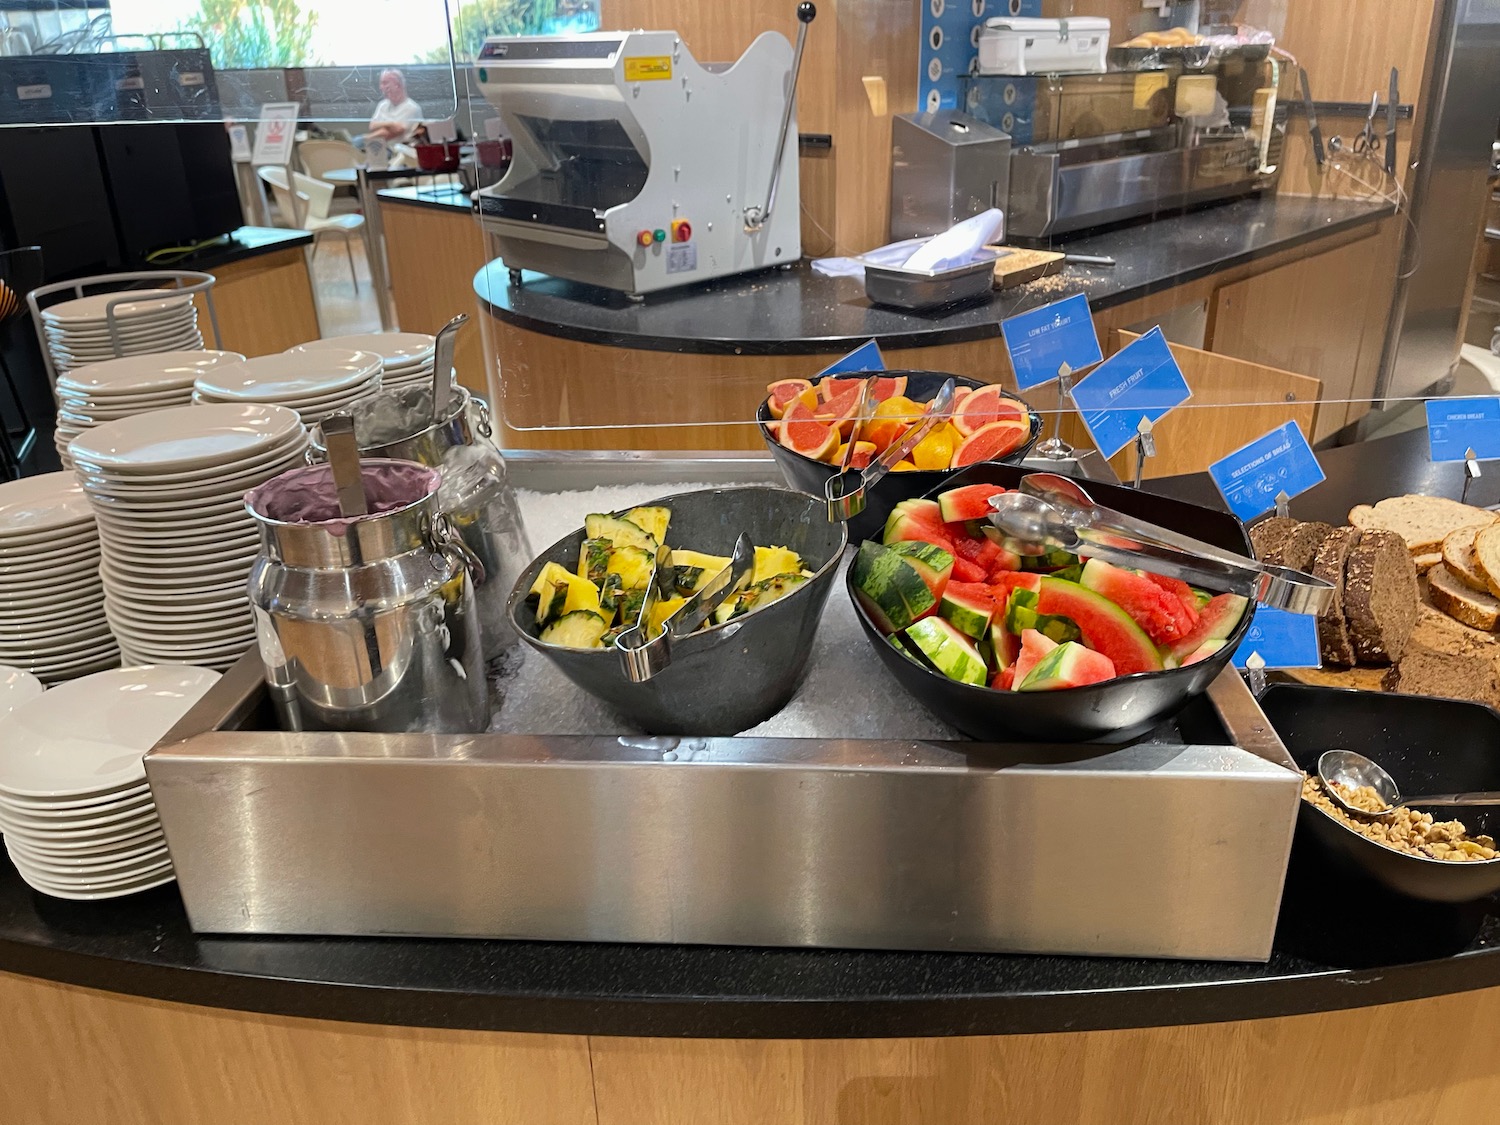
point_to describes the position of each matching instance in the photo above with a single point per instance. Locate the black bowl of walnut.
(1427, 745)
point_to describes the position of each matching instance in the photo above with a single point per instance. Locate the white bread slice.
(1487, 557)
(1451, 595)
(1423, 521)
(1458, 556)
(1427, 562)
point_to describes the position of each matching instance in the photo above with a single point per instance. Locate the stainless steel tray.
(1168, 847)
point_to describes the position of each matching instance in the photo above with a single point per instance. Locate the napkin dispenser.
(945, 167)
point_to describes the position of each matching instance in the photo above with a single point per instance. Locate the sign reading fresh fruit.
(1141, 380)
(1457, 425)
(1281, 639)
(1042, 341)
(1250, 477)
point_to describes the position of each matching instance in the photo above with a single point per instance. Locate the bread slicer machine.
(639, 169)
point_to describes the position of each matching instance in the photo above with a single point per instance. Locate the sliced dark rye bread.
(1462, 602)
(1328, 564)
(1448, 675)
(1268, 535)
(1299, 546)
(1380, 596)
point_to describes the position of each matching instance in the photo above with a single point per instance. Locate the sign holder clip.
(1472, 472)
(1054, 448)
(1283, 505)
(1145, 446)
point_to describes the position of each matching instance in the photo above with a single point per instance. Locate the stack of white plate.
(406, 356)
(52, 620)
(17, 687)
(118, 388)
(75, 808)
(167, 489)
(159, 321)
(314, 384)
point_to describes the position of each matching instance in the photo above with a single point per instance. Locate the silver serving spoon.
(1345, 767)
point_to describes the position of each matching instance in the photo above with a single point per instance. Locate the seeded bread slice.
(1427, 562)
(1423, 671)
(1380, 597)
(1423, 521)
(1328, 564)
(1300, 545)
(1268, 535)
(1487, 557)
(1458, 556)
(1460, 601)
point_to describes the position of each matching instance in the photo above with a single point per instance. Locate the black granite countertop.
(796, 311)
(1332, 951)
(442, 197)
(245, 243)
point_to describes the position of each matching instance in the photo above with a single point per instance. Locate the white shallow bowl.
(90, 735)
(17, 687)
(186, 437)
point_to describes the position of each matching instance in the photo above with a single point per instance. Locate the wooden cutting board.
(1017, 265)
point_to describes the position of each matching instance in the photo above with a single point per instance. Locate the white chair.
(314, 197)
(322, 156)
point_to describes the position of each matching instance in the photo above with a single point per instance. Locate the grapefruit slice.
(839, 410)
(781, 392)
(983, 407)
(888, 386)
(831, 388)
(802, 433)
(864, 453)
(991, 442)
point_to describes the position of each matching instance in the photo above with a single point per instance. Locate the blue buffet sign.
(1282, 639)
(1251, 476)
(1456, 425)
(866, 357)
(1141, 380)
(1042, 340)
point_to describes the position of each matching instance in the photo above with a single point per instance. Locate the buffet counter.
(1266, 277)
(1363, 1012)
(263, 291)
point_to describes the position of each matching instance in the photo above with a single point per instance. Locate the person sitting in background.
(396, 117)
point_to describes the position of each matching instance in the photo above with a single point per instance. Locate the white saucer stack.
(315, 384)
(156, 320)
(118, 388)
(167, 489)
(52, 621)
(77, 814)
(407, 356)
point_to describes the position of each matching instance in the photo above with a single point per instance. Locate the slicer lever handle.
(757, 217)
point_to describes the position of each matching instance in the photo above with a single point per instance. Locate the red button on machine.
(644, 238)
(682, 230)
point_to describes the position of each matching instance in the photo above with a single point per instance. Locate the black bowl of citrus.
(1050, 647)
(806, 424)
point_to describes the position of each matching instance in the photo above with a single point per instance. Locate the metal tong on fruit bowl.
(845, 491)
(642, 655)
(1052, 512)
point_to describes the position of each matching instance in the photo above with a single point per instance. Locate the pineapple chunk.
(593, 559)
(661, 611)
(771, 561)
(582, 595)
(694, 569)
(633, 565)
(653, 521)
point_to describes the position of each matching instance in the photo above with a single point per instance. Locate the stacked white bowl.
(154, 320)
(52, 621)
(406, 357)
(118, 388)
(77, 814)
(167, 489)
(315, 384)
(17, 687)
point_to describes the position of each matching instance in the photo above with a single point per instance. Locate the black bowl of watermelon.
(804, 424)
(1043, 647)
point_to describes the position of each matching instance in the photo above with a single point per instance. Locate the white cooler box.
(1018, 45)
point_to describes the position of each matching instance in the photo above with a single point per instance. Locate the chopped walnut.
(1405, 830)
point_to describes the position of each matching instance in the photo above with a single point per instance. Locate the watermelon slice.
(1004, 644)
(1183, 593)
(921, 520)
(1067, 666)
(1162, 615)
(971, 502)
(933, 564)
(1215, 622)
(1204, 651)
(966, 571)
(969, 613)
(1034, 648)
(890, 588)
(1005, 679)
(953, 654)
(1104, 626)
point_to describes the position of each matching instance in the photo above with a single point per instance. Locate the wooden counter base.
(78, 1055)
(264, 304)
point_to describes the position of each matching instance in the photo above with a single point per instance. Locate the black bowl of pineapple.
(725, 678)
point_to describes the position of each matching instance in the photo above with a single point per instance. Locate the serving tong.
(643, 656)
(845, 491)
(1053, 513)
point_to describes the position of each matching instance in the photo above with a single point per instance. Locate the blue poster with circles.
(950, 45)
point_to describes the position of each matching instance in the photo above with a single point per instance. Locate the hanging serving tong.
(847, 489)
(643, 656)
(1051, 512)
